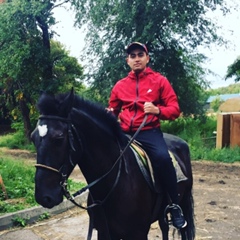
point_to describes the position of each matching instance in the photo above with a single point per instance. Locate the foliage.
(171, 30)
(215, 104)
(44, 216)
(19, 182)
(19, 222)
(16, 140)
(186, 126)
(18, 176)
(234, 70)
(200, 137)
(232, 88)
(226, 155)
(29, 61)
(24, 54)
(66, 69)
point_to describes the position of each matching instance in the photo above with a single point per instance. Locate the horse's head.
(53, 146)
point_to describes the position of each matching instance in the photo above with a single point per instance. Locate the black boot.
(178, 220)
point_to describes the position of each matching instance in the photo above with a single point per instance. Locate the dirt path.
(217, 204)
(217, 208)
(217, 201)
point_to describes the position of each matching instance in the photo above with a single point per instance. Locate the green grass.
(225, 155)
(201, 139)
(16, 140)
(18, 177)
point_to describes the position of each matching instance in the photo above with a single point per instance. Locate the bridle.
(63, 181)
(71, 139)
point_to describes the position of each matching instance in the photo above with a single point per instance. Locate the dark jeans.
(155, 146)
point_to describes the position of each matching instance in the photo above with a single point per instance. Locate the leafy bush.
(16, 140)
(19, 182)
(19, 222)
(18, 178)
(226, 155)
(44, 216)
(198, 133)
(186, 126)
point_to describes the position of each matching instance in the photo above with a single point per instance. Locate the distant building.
(231, 105)
(221, 97)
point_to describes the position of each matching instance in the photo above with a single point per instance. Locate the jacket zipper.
(135, 105)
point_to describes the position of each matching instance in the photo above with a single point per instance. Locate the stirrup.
(168, 210)
(175, 219)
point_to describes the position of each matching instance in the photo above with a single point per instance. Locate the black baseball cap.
(135, 45)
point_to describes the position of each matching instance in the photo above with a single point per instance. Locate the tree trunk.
(25, 115)
(48, 66)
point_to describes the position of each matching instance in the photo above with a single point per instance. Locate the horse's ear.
(67, 104)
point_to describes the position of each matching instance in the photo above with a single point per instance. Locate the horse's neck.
(100, 154)
(100, 151)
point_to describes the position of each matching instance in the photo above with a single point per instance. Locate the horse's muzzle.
(48, 201)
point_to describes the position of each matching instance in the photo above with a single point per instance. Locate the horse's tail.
(187, 205)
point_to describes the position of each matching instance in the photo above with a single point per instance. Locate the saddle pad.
(143, 157)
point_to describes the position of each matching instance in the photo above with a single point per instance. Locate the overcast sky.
(219, 57)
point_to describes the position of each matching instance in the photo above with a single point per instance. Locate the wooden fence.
(228, 130)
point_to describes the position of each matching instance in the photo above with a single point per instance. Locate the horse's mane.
(50, 105)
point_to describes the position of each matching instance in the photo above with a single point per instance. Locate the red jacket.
(130, 93)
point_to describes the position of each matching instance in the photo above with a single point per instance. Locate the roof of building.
(223, 97)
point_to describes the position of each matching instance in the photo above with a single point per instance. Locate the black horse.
(72, 131)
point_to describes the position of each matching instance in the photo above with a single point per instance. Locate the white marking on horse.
(42, 130)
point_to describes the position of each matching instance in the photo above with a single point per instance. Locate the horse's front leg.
(100, 223)
(97, 220)
(162, 221)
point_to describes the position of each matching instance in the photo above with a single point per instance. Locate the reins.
(64, 184)
(68, 195)
(71, 197)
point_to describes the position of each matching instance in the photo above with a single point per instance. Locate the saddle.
(145, 165)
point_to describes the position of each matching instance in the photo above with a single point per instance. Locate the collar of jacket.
(144, 73)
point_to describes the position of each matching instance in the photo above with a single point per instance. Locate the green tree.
(171, 30)
(234, 70)
(66, 69)
(27, 64)
(215, 104)
(232, 88)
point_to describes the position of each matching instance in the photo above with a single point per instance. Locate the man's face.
(137, 60)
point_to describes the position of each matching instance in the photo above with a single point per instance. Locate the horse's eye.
(58, 140)
(60, 136)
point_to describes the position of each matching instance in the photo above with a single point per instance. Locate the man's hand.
(150, 108)
(109, 109)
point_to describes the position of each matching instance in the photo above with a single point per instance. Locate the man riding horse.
(145, 92)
